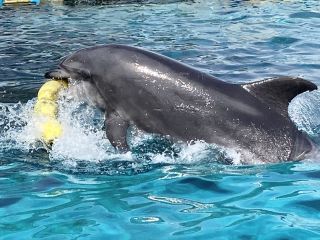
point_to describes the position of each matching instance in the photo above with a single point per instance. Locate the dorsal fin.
(278, 92)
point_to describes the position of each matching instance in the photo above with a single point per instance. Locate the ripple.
(5, 202)
(145, 220)
(203, 184)
(305, 14)
(313, 204)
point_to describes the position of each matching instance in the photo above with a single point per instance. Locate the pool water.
(83, 189)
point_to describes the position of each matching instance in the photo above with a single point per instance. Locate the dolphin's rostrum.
(161, 95)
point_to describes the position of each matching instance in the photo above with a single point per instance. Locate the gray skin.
(161, 95)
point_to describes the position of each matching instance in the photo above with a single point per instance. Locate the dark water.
(83, 189)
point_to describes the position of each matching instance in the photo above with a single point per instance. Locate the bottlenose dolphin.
(161, 95)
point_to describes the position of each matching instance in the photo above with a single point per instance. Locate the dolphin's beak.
(58, 73)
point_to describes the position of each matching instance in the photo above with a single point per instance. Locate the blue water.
(83, 189)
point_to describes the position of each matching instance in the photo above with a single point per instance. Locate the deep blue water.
(83, 189)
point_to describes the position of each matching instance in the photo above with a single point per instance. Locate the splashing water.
(304, 111)
(83, 146)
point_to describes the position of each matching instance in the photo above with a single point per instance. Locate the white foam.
(198, 152)
(83, 137)
(304, 110)
(19, 128)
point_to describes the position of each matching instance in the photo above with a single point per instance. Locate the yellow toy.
(46, 109)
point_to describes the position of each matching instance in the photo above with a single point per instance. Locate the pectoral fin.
(116, 128)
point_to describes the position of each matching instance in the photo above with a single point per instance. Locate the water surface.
(83, 189)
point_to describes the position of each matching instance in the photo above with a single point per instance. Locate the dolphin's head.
(82, 87)
(71, 67)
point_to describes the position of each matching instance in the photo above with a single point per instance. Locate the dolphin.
(161, 95)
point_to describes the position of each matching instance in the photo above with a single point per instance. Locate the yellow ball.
(50, 89)
(46, 108)
(51, 129)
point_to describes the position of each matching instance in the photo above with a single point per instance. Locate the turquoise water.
(83, 189)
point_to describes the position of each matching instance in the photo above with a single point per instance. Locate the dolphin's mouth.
(78, 89)
(59, 74)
